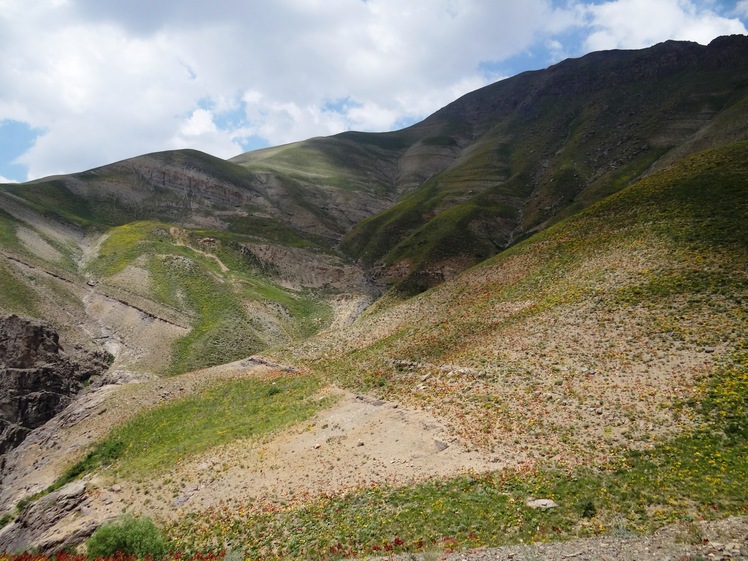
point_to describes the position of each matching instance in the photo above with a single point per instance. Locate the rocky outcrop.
(37, 377)
(298, 268)
(52, 523)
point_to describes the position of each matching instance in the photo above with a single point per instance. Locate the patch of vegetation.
(212, 284)
(128, 535)
(101, 456)
(53, 199)
(127, 242)
(267, 228)
(222, 331)
(15, 295)
(157, 439)
(671, 250)
(6, 519)
(319, 162)
(8, 238)
(386, 140)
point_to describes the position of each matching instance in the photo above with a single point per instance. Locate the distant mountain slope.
(586, 338)
(508, 159)
(285, 233)
(521, 153)
(159, 259)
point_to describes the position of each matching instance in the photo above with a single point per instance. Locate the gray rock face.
(35, 525)
(37, 377)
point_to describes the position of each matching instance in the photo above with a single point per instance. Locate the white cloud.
(199, 123)
(741, 9)
(199, 132)
(109, 80)
(633, 24)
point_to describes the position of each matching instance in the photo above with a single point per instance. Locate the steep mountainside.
(578, 241)
(161, 256)
(591, 335)
(524, 152)
(600, 363)
(159, 260)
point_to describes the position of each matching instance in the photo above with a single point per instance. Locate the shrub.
(128, 535)
(6, 519)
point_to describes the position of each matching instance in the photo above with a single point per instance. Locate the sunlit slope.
(190, 188)
(164, 261)
(234, 309)
(584, 339)
(532, 149)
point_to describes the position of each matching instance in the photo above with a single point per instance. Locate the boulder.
(543, 504)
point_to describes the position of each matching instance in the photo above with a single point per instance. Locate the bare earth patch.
(356, 442)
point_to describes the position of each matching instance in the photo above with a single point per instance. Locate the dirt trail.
(215, 258)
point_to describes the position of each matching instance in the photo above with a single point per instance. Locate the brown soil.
(356, 442)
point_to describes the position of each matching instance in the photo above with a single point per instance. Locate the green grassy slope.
(546, 145)
(232, 303)
(213, 282)
(634, 288)
(351, 161)
(606, 354)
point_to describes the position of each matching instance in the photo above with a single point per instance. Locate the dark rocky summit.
(37, 377)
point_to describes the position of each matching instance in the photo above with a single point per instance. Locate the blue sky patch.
(15, 138)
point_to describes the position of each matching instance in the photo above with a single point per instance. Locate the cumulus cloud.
(632, 24)
(104, 81)
(107, 80)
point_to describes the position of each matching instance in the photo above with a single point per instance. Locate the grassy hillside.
(601, 363)
(544, 145)
(206, 275)
(607, 353)
(590, 336)
(75, 261)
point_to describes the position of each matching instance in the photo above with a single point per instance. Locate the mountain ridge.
(405, 209)
(549, 269)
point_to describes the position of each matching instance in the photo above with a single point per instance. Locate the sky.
(84, 83)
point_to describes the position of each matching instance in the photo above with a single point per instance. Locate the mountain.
(511, 158)
(548, 271)
(600, 363)
(529, 150)
(290, 236)
(613, 314)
